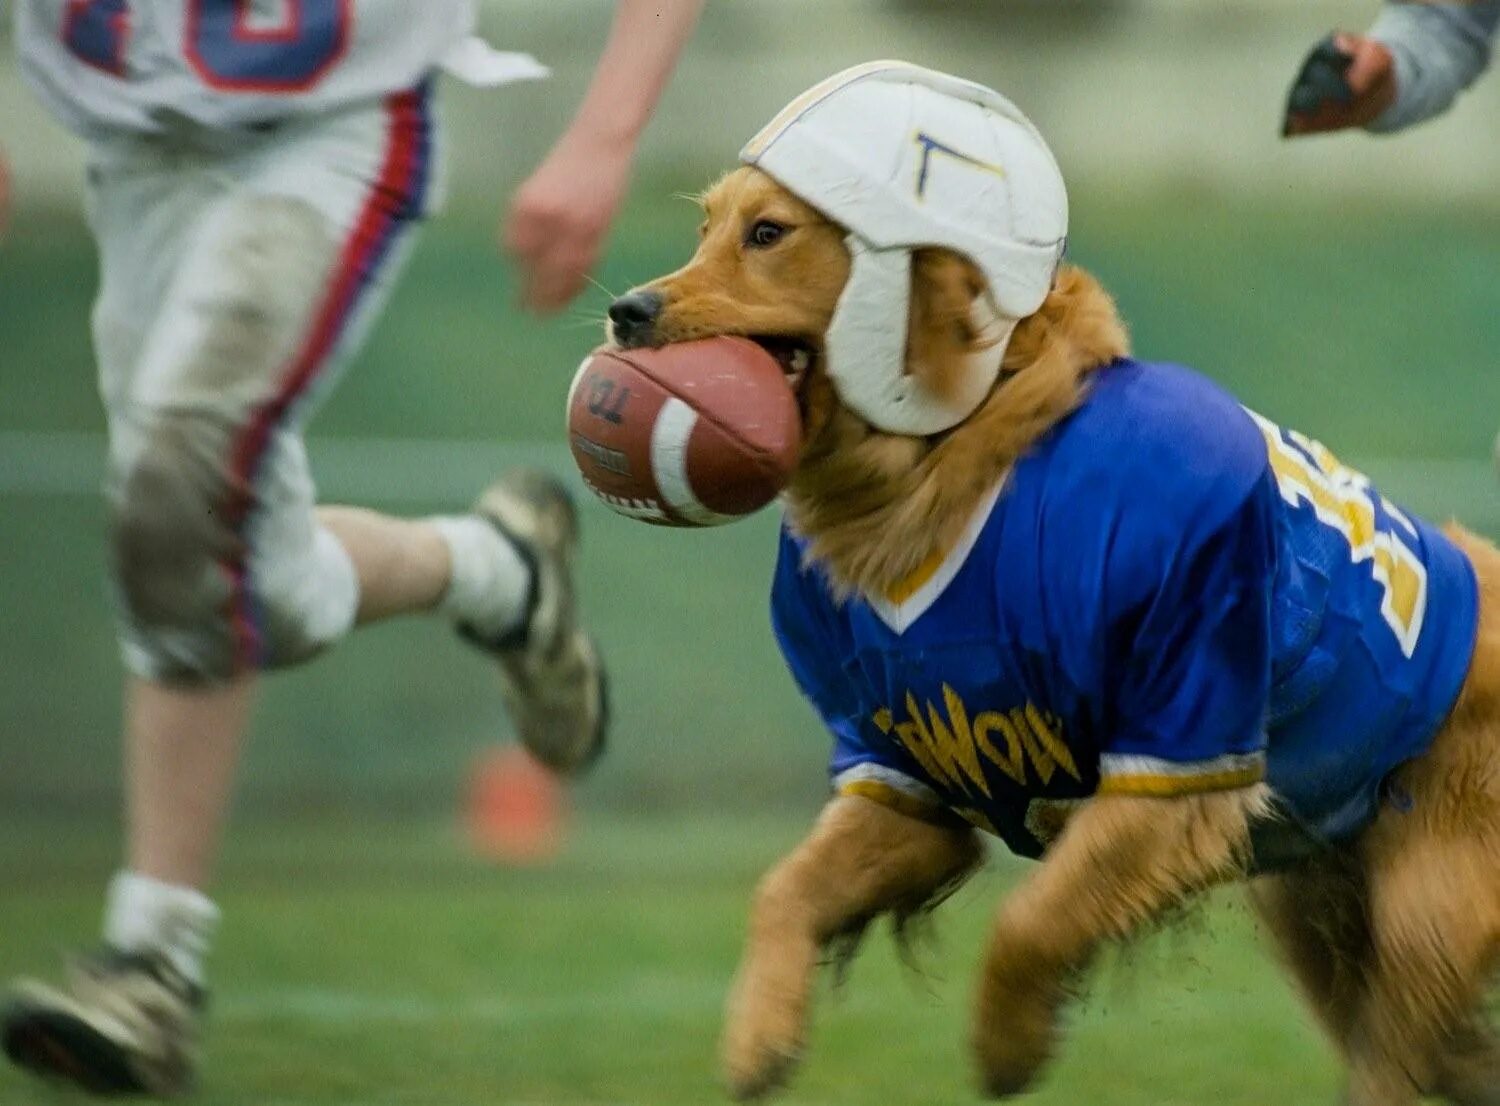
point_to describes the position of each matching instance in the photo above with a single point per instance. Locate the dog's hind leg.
(860, 860)
(1121, 862)
(1432, 933)
(1433, 868)
(1316, 915)
(1469, 1068)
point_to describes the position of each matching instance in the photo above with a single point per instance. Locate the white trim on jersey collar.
(900, 616)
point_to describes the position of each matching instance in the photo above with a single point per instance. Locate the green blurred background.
(1346, 287)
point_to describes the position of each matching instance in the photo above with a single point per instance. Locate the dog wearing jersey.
(1087, 604)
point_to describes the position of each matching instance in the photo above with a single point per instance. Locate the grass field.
(374, 963)
(367, 959)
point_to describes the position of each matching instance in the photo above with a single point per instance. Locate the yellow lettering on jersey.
(1051, 748)
(1341, 498)
(945, 749)
(949, 748)
(1013, 762)
(907, 733)
(957, 744)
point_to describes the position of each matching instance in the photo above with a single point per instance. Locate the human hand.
(559, 217)
(1346, 81)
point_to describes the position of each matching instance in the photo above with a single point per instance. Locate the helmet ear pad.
(947, 326)
(907, 368)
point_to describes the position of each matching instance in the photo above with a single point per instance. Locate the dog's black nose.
(633, 317)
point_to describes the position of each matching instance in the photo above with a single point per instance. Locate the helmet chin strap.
(865, 349)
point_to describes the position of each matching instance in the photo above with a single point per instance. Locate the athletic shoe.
(123, 1023)
(551, 675)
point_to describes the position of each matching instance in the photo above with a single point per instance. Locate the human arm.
(560, 215)
(1410, 67)
(1438, 50)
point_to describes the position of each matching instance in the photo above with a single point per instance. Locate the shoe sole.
(55, 1045)
(535, 492)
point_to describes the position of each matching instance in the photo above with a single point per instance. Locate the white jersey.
(105, 66)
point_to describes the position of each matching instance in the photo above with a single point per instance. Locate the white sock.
(147, 915)
(488, 583)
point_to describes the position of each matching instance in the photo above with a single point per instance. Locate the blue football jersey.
(1168, 594)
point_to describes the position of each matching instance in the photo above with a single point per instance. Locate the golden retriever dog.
(1388, 925)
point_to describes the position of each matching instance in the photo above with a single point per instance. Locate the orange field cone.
(516, 809)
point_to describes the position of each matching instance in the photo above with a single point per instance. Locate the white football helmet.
(905, 157)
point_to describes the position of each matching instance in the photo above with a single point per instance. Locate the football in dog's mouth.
(694, 433)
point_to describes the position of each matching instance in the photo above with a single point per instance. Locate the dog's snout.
(633, 317)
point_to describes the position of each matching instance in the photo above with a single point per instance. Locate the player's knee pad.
(212, 579)
(170, 540)
(220, 567)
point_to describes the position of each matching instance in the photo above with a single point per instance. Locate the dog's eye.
(764, 233)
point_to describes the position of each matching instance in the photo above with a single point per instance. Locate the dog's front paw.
(754, 1071)
(1005, 1071)
(1015, 1033)
(762, 1040)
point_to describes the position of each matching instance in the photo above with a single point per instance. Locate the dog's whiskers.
(599, 285)
(578, 321)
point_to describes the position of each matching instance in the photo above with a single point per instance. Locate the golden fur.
(1390, 940)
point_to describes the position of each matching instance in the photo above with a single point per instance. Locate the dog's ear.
(941, 328)
(1079, 313)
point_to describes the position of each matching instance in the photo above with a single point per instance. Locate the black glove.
(1322, 82)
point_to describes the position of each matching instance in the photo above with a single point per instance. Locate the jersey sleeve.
(1190, 621)
(1438, 50)
(815, 651)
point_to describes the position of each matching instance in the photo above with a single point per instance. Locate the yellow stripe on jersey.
(897, 800)
(903, 590)
(1148, 776)
(892, 789)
